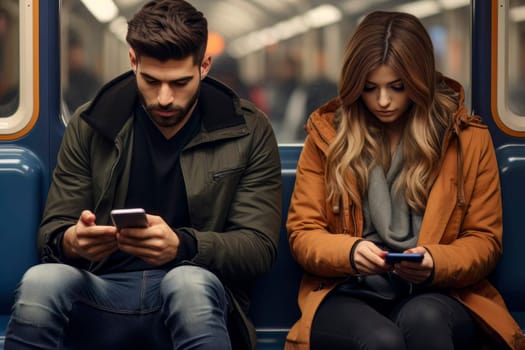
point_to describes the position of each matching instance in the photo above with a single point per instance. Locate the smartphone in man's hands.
(128, 218)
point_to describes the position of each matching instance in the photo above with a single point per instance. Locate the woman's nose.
(384, 98)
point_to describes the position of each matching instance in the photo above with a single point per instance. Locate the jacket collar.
(114, 104)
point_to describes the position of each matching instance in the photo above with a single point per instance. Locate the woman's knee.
(380, 337)
(386, 338)
(423, 312)
(437, 321)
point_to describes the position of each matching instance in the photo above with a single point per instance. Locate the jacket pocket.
(219, 175)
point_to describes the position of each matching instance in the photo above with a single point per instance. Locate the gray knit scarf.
(389, 221)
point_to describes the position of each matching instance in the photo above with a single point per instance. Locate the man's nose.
(165, 96)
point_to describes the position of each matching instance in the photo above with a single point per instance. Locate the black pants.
(423, 321)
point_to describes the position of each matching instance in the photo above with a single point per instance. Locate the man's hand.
(88, 240)
(157, 244)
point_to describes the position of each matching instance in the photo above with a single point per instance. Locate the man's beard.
(179, 112)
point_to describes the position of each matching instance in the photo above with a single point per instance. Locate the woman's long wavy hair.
(400, 41)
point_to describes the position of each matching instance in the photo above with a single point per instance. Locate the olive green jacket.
(231, 171)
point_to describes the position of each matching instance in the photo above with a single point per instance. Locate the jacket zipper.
(223, 173)
(111, 174)
(319, 287)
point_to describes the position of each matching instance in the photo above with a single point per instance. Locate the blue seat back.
(21, 206)
(509, 277)
(274, 303)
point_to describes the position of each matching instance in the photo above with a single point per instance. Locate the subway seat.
(274, 304)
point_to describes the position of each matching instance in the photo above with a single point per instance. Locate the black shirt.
(157, 185)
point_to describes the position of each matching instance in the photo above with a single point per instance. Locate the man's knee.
(47, 285)
(192, 287)
(40, 297)
(48, 279)
(190, 279)
(195, 308)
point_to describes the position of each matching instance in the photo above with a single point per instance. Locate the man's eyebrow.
(148, 76)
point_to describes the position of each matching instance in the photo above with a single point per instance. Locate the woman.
(396, 164)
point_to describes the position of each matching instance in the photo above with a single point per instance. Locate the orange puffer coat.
(461, 228)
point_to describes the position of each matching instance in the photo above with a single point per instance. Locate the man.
(203, 163)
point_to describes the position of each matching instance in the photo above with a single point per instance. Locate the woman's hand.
(369, 259)
(416, 272)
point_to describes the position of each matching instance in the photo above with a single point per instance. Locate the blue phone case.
(393, 258)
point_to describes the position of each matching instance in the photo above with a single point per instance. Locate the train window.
(511, 69)
(282, 55)
(18, 87)
(83, 41)
(9, 60)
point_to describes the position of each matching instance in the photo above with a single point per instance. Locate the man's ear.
(205, 66)
(133, 60)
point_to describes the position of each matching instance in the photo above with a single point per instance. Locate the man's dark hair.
(168, 29)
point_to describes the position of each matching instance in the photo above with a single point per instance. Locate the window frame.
(507, 120)
(24, 118)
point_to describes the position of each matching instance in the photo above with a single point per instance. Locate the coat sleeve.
(69, 192)
(476, 248)
(313, 243)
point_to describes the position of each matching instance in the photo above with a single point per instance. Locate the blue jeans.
(185, 308)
